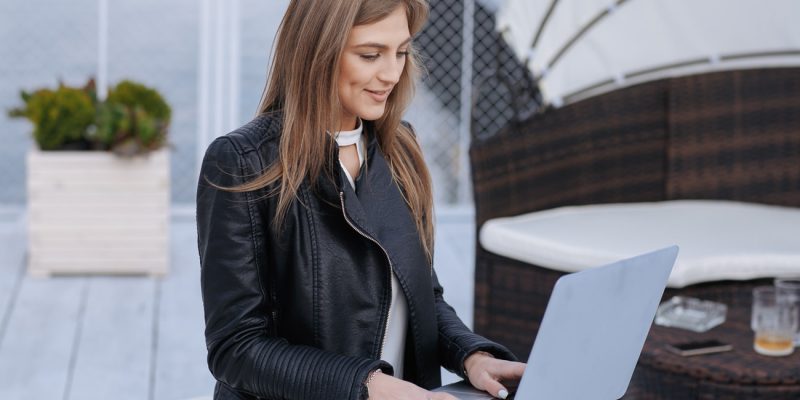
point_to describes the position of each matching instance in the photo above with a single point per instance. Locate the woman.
(315, 226)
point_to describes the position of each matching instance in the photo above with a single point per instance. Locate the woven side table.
(738, 374)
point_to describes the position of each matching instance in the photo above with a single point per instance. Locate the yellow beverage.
(771, 344)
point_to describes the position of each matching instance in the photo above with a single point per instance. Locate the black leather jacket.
(300, 313)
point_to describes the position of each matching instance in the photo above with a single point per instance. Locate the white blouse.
(394, 349)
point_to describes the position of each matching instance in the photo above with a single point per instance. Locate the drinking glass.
(790, 289)
(774, 320)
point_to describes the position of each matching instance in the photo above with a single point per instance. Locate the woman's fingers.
(488, 373)
(508, 370)
(387, 387)
(496, 371)
(486, 381)
(494, 387)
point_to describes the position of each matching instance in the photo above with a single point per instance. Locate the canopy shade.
(580, 48)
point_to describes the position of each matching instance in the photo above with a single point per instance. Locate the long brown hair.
(302, 86)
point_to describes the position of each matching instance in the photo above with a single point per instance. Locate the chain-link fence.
(160, 43)
(436, 109)
(439, 110)
(501, 83)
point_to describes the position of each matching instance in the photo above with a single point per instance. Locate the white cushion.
(718, 240)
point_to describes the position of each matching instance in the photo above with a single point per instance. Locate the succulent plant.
(134, 94)
(60, 117)
(142, 125)
(110, 122)
(134, 119)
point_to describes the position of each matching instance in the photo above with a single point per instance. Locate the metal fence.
(463, 93)
(209, 59)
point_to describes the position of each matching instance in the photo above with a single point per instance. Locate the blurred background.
(560, 103)
(209, 59)
(139, 337)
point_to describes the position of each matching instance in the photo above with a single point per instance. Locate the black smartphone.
(699, 347)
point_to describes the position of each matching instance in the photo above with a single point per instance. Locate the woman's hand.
(387, 387)
(485, 373)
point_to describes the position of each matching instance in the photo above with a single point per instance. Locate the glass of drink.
(790, 289)
(774, 321)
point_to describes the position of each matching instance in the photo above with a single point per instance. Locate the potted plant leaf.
(97, 180)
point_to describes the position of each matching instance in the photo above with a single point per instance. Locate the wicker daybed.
(732, 135)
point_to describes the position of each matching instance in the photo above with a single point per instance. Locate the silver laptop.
(593, 331)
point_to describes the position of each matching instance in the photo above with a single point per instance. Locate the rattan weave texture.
(731, 135)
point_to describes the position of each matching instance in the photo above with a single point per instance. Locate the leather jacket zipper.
(274, 322)
(391, 272)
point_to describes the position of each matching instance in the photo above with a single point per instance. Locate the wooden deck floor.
(100, 337)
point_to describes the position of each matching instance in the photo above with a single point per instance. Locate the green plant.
(142, 118)
(60, 117)
(133, 119)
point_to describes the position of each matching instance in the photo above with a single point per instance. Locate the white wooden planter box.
(95, 212)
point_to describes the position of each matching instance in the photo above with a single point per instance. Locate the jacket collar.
(336, 186)
(376, 207)
(378, 210)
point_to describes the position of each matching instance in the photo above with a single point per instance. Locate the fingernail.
(502, 393)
